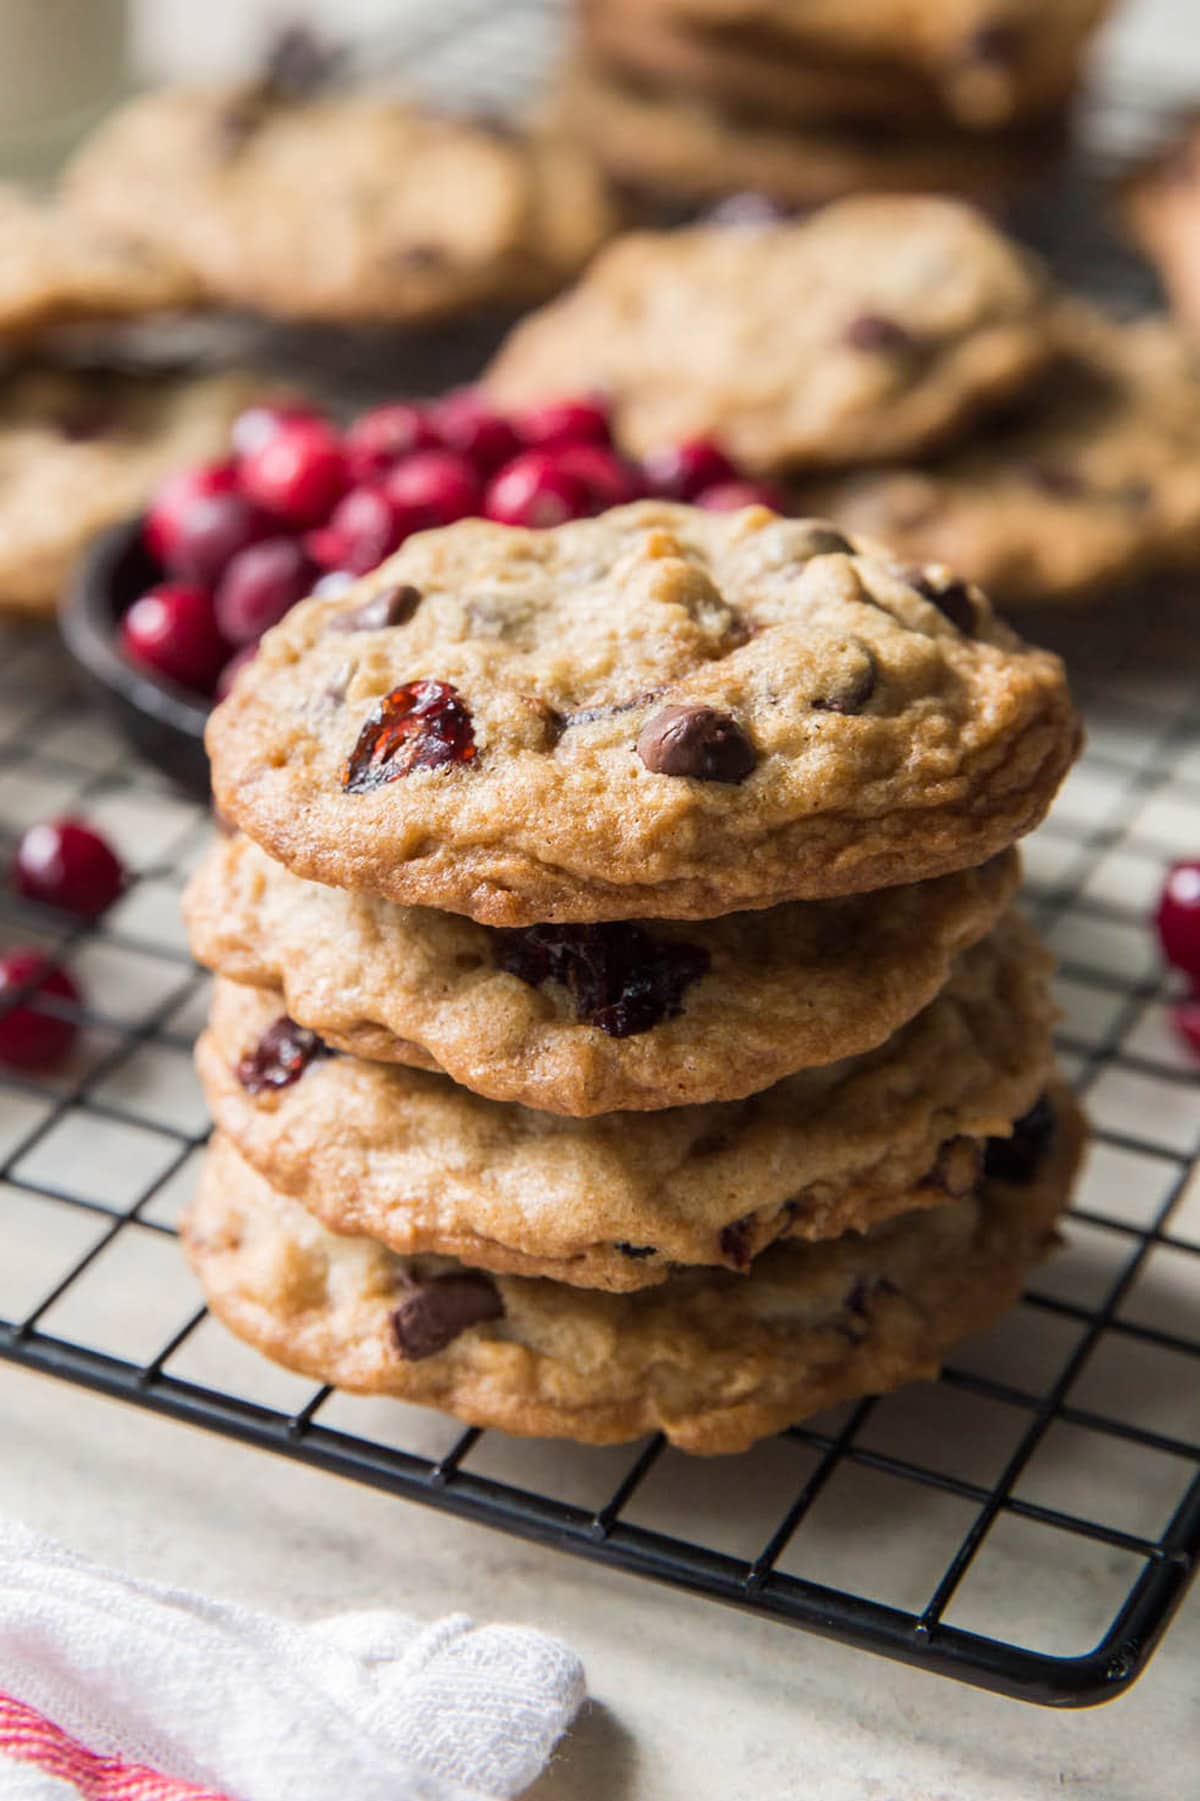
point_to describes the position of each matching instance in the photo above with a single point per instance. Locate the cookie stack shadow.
(698, 99)
(622, 1019)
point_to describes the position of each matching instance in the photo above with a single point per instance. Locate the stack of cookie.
(622, 1021)
(803, 99)
(893, 362)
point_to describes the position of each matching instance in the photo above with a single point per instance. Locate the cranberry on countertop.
(363, 529)
(30, 1038)
(174, 501)
(609, 480)
(381, 438)
(66, 864)
(681, 471)
(298, 474)
(1178, 917)
(560, 422)
(172, 631)
(260, 585)
(252, 429)
(535, 490)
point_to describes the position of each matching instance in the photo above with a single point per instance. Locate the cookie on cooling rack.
(659, 712)
(713, 1360)
(329, 206)
(1093, 481)
(425, 1165)
(594, 1018)
(79, 450)
(915, 313)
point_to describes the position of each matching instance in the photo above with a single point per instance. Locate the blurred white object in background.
(61, 63)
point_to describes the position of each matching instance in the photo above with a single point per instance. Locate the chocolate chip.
(636, 1251)
(996, 42)
(737, 1240)
(876, 332)
(1017, 1159)
(824, 541)
(952, 598)
(391, 606)
(280, 1057)
(853, 687)
(1056, 480)
(433, 1313)
(697, 742)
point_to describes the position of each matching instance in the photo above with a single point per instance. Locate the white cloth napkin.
(372, 1706)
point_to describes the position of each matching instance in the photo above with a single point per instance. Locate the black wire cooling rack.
(1027, 1523)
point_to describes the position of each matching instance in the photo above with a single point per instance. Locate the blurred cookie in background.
(1161, 205)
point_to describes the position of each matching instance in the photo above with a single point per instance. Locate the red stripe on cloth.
(31, 1738)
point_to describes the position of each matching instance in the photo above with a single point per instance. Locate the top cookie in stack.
(659, 713)
(803, 99)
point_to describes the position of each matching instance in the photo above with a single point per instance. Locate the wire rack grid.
(1027, 1523)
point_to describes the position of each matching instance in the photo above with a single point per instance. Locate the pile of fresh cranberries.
(67, 865)
(301, 506)
(1178, 921)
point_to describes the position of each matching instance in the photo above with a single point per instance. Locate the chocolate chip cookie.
(1093, 481)
(613, 1202)
(57, 270)
(876, 328)
(81, 450)
(330, 206)
(994, 62)
(712, 1359)
(595, 1018)
(683, 148)
(660, 712)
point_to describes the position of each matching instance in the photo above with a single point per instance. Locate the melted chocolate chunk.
(422, 725)
(736, 1241)
(876, 332)
(433, 1313)
(280, 1057)
(824, 541)
(854, 688)
(952, 599)
(619, 977)
(635, 1251)
(391, 606)
(698, 742)
(1018, 1159)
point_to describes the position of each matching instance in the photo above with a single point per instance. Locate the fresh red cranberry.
(260, 585)
(1178, 917)
(535, 490)
(466, 423)
(681, 471)
(172, 631)
(174, 501)
(561, 422)
(233, 669)
(383, 437)
(212, 532)
(30, 1038)
(435, 487)
(422, 725)
(298, 474)
(727, 497)
(64, 863)
(252, 429)
(1186, 1017)
(610, 482)
(363, 529)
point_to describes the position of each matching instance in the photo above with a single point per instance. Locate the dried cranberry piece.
(1017, 1159)
(433, 1313)
(619, 977)
(280, 1057)
(420, 725)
